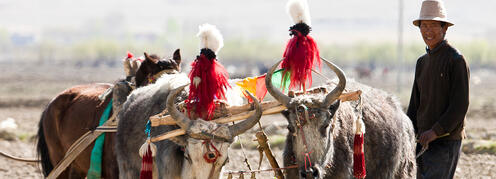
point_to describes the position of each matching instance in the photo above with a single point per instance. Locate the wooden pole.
(168, 135)
(79, 146)
(262, 141)
(235, 113)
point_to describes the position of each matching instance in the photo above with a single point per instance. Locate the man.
(440, 96)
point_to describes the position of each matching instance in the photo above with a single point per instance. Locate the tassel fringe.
(210, 82)
(144, 148)
(147, 152)
(299, 57)
(359, 170)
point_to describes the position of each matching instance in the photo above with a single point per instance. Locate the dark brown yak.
(77, 110)
(325, 125)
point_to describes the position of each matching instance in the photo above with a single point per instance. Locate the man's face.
(432, 32)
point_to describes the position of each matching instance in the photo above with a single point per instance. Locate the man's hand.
(427, 137)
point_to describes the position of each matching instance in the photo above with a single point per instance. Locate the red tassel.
(358, 157)
(212, 86)
(299, 56)
(147, 165)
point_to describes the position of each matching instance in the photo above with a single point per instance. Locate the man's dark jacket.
(440, 95)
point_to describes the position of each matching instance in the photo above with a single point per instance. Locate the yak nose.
(315, 173)
(303, 174)
(211, 155)
(311, 173)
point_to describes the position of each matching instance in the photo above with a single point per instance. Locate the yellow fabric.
(249, 84)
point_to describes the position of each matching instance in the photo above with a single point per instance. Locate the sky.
(334, 21)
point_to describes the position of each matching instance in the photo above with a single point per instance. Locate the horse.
(77, 110)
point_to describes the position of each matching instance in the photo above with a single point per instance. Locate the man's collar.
(441, 44)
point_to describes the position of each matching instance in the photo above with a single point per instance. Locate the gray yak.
(180, 156)
(323, 127)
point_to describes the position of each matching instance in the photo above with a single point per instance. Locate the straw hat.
(432, 10)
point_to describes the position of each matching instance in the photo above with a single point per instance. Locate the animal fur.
(77, 110)
(170, 157)
(389, 137)
(139, 106)
(298, 11)
(210, 37)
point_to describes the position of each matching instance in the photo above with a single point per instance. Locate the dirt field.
(24, 98)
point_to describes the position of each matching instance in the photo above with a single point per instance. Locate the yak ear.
(327, 118)
(291, 126)
(150, 58)
(179, 140)
(147, 57)
(332, 111)
(177, 56)
(334, 106)
(285, 113)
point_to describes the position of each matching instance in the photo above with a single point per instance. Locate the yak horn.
(181, 120)
(336, 92)
(276, 93)
(243, 126)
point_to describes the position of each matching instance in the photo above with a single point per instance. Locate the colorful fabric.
(281, 81)
(256, 85)
(95, 171)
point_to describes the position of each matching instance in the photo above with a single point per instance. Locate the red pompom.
(299, 57)
(129, 55)
(212, 86)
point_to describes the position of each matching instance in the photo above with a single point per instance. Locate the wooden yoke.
(236, 113)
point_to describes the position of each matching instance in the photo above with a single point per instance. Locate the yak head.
(206, 143)
(309, 121)
(153, 67)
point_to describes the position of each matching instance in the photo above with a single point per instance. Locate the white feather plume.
(298, 11)
(210, 37)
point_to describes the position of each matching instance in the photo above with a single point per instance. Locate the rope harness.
(210, 156)
(258, 171)
(302, 120)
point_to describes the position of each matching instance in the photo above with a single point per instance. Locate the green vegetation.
(108, 51)
(27, 137)
(479, 146)
(98, 49)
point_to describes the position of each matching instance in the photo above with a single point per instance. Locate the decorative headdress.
(208, 77)
(301, 51)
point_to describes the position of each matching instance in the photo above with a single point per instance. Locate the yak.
(322, 128)
(180, 156)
